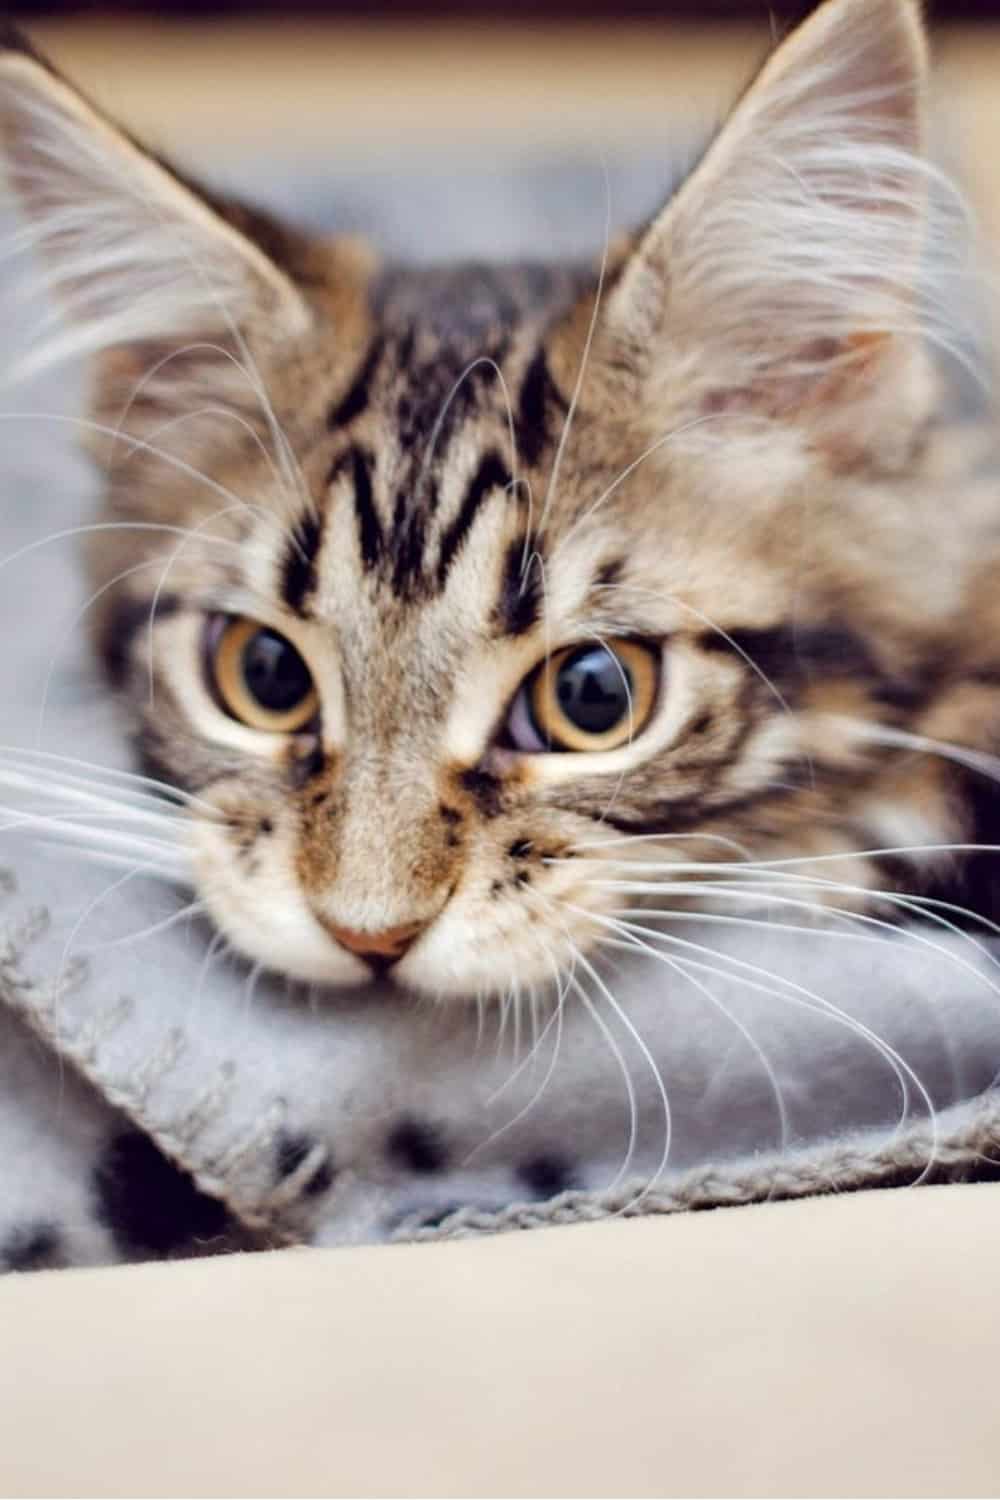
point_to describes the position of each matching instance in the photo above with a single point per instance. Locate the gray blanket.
(157, 1099)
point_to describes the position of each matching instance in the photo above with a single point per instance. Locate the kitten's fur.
(728, 440)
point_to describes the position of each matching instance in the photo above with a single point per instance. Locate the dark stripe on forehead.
(518, 607)
(538, 393)
(492, 474)
(358, 463)
(409, 530)
(299, 571)
(356, 399)
(441, 391)
(369, 526)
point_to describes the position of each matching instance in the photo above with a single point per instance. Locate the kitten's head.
(453, 597)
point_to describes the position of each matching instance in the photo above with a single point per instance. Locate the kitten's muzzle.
(380, 949)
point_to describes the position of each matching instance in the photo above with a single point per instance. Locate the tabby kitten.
(468, 608)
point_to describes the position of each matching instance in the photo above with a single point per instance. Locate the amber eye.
(586, 698)
(259, 677)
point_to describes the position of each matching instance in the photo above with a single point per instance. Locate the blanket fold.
(144, 1120)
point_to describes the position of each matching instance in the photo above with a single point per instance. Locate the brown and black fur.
(471, 467)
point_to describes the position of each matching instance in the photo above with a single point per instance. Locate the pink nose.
(380, 949)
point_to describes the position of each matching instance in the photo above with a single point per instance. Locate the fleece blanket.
(157, 1099)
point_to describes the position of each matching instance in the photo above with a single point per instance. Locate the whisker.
(85, 915)
(904, 1073)
(715, 627)
(561, 985)
(161, 584)
(648, 838)
(103, 526)
(102, 845)
(752, 865)
(193, 908)
(865, 918)
(677, 965)
(135, 784)
(617, 1054)
(648, 1058)
(629, 470)
(884, 734)
(435, 432)
(25, 817)
(85, 812)
(176, 874)
(222, 411)
(585, 356)
(170, 459)
(71, 632)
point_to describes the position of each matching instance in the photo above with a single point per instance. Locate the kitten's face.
(525, 581)
(407, 775)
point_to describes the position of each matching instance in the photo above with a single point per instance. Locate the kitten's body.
(726, 446)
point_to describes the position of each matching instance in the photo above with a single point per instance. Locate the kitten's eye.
(260, 678)
(593, 697)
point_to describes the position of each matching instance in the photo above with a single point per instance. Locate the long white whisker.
(629, 470)
(70, 632)
(885, 734)
(677, 965)
(585, 356)
(100, 526)
(84, 801)
(254, 384)
(161, 584)
(902, 1069)
(175, 874)
(170, 459)
(192, 909)
(651, 1063)
(133, 783)
(864, 918)
(616, 1052)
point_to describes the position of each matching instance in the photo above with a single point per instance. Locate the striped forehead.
(451, 403)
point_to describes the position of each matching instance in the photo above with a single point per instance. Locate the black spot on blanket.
(150, 1206)
(32, 1247)
(547, 1175)
(417, 1146)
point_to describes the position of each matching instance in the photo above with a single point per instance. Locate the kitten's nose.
(380, 949)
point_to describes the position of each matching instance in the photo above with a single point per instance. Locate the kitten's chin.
(444, 965)
(437, 971)
(449, 966)
(458, 959)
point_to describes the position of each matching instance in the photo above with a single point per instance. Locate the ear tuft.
(130, 252)
(793, 270)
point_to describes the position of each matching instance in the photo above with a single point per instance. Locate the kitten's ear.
(131, 251)
(783, 277)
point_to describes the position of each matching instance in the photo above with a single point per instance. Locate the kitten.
(474, 612)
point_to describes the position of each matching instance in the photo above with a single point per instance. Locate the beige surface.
(830, 1347)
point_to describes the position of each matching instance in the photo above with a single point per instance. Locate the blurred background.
(467, 126)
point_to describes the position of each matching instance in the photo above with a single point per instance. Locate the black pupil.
(594, 689)
(274, 672)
